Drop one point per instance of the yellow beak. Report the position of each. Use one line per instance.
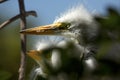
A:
(34, 54)
(37, 55)
(51, 29)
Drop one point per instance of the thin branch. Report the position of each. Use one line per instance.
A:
(22, 17)
(1, 1)
(33, 13)
(22, 68)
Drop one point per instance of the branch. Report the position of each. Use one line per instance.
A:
(1, 1)
(33, 13)
(22, 68)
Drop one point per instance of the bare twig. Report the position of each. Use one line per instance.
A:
(22, 17)
(1, 1)
(33, 13)
(23, 41)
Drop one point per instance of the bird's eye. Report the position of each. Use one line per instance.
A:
(64, 26)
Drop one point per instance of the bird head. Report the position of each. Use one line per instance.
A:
(74, 23)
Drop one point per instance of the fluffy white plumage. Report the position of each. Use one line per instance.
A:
(78, 17)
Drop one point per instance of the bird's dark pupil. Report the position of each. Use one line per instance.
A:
(64, 26)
